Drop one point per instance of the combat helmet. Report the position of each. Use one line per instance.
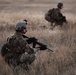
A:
(20, 26)
(59, 5)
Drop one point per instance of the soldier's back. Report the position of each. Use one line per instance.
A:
(17, 43)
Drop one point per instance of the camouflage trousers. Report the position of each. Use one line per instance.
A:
(7, 57)
(27, 58)
(18, 59)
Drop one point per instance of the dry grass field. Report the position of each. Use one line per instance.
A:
(62, 41)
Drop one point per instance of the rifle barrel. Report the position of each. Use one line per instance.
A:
(50, 49)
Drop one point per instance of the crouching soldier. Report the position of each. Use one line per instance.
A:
(59, 18)
(55, 17)
(18, 50)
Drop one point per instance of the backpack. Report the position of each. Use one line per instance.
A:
(49, 15)
(4, 49)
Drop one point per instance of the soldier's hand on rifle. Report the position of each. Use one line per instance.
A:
(66, 21)
(27, 46)
(43, 47)
(36, 49)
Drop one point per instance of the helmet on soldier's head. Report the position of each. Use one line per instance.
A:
(20, 26)
(59, 5)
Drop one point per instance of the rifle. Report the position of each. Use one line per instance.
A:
(35, 42)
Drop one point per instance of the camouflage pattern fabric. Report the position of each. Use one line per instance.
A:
(27, 58)
(55, 16)
(49, 15)
(19, 50)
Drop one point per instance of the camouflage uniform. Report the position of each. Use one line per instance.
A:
(55, 17)
(19, 50)
(58, 17)
(56, 13)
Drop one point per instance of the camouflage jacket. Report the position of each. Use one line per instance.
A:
(18, 44)
(53, 15)
(57, 14)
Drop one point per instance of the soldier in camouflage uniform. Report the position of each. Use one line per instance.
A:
(55, 17)
(19, 50)
(59, 18)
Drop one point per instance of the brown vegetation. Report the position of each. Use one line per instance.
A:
(63, 42)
